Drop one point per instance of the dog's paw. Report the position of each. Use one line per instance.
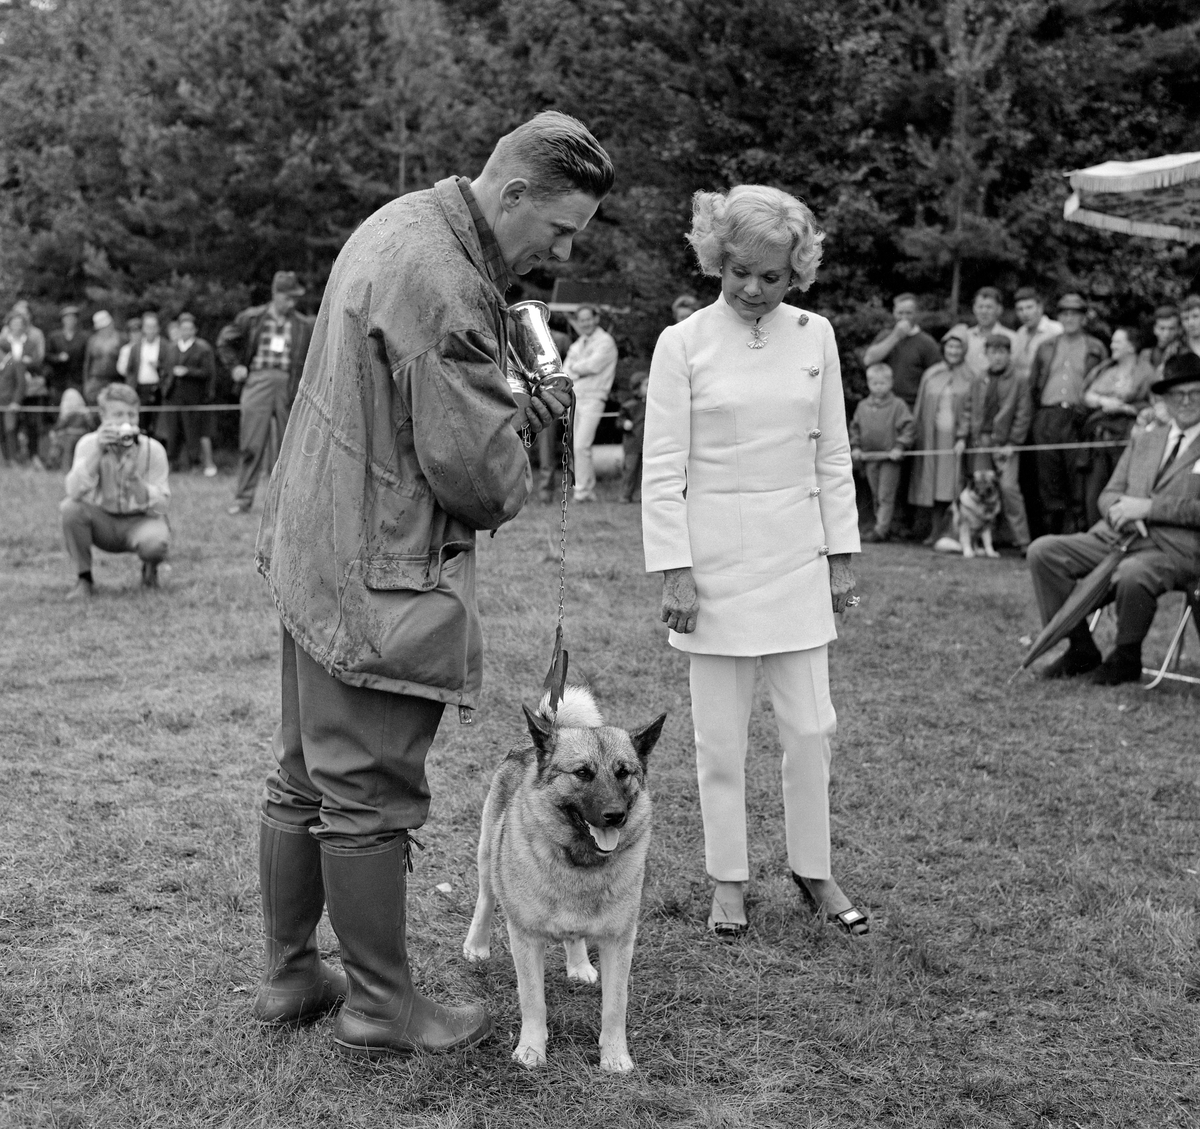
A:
(530, 1057)
(476, 953)
(583, 973)
(991, 553)
(969, 554)
(615, 1062)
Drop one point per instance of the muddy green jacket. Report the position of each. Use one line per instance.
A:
(399, 447)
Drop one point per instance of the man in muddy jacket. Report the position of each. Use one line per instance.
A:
(403, 441)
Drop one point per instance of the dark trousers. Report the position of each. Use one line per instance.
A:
(1144, 574)
(264, 416)
(150, 396)
(1060, 485)
(631, 474)
(181, 432)
(350, 760)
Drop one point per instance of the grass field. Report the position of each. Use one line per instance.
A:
(1029, 855)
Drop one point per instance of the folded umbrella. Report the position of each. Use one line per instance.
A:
(1089, 594)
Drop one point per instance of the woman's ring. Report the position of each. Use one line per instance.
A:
(852, 601)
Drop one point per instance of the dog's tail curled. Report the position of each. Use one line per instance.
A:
(577, 710)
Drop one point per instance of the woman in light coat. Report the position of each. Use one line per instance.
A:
(948, 397)
(748, 511)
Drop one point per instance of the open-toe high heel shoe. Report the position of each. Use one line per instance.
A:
(851, 920)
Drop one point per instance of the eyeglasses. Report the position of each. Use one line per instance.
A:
(1184, 396)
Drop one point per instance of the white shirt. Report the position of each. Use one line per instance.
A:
(1189, 437)
(148, 366)
(591, 362)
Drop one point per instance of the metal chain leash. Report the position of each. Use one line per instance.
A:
(562, 542)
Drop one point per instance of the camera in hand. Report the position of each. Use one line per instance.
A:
(127, 434)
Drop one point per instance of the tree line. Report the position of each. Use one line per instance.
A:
(174, 153)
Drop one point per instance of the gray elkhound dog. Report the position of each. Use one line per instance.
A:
(563, 843)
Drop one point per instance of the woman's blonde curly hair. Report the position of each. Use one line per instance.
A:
(753, 221)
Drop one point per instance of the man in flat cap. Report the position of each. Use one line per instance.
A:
(1057, 377)
(404, 441)
(1156, 482)
(264, 349)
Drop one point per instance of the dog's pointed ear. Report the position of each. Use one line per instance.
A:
(541, 731)
(646, 738)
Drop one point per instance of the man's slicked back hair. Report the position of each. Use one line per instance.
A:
(558, 156)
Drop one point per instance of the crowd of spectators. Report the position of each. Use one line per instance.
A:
(50, 386)
(938, 411)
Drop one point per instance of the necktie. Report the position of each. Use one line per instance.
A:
(1162, 470)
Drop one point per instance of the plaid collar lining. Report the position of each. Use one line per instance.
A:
(493, 260)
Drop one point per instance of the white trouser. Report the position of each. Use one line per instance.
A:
(591, 395)
(722, 689)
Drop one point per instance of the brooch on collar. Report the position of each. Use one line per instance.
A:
(814, 371)
(804, 319)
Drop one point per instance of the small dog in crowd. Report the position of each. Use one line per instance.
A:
(562, 846)
(978, 511)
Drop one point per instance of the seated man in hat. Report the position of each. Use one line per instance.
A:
(117, 493)
(1157, 482)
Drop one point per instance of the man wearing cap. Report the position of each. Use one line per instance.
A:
(100, 355)
(190, 369)
(264, 349)
(1157, 482)
(1007, 410)
(404, 442)
(1057, 377)
(65, 352)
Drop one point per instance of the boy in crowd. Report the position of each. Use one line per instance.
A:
(883, 429)
(1007, 411)
(117, 493)
(633, 425)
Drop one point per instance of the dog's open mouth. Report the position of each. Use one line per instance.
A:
(606, 838)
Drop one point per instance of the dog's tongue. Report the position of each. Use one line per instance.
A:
(606, 837)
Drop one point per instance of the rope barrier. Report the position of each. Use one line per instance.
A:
(883, 456)
(32, 409)
(868, 456)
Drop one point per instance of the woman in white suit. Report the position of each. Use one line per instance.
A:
(748, 510)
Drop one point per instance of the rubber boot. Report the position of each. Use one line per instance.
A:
(384, 1013)
(297, 985)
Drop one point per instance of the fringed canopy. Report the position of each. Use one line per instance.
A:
(1158, 197)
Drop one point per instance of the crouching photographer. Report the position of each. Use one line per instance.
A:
(117, 493)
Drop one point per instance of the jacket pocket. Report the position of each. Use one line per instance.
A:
(420, 572)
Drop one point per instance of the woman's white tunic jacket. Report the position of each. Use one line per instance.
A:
(747, 477)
